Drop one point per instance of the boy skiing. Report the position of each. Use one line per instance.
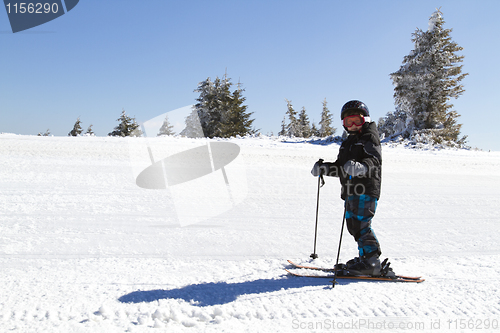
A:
(358, 166)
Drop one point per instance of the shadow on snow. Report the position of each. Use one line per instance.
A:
(218, 293)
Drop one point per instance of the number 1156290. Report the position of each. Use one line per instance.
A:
(32, 8)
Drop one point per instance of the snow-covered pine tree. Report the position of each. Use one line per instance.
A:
(127, 126)
(222, 113)
(314, 130)
(201, 114)
(77, 128)
(393, 124)
(326, 128)
(304, 125)
(209, 106)
(193, 128)
(283, 127)
(47, 133)
(166, 128)
(429, 77)
(218, 107)
(293, 128)
(235, 118)
(90, 132)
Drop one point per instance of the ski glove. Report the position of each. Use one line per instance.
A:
(319, 168)
(355, 169)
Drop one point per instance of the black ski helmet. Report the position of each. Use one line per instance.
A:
(354, 105)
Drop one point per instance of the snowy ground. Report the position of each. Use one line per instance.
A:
(83, 249)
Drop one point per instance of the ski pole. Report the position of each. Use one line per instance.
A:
(321, 182)
(340, 240)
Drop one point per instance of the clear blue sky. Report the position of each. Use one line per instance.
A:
(147, 57)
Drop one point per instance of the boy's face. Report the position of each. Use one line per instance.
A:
(353, 121)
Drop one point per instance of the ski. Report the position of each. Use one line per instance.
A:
(358, 277)
(333, 270)
(397, 278)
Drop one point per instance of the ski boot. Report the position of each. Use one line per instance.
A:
(364, 266)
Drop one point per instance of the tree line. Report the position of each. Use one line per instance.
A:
(219, 112)
(428, 78)
(299, 125)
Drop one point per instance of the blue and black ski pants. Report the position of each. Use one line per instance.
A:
(360, 210)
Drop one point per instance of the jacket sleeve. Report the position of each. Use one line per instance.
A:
(373, 155)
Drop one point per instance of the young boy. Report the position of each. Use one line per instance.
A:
(358, 166)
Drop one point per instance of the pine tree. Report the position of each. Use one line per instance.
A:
(393, 124)
(90, 132)
(166, 128)
(304, 125)
(212, 105)
(314, 130)
(235, 118)
(208, 106)
(326, 128)
(193, 127)
(47, 133)
(211, 113)
(283, 127)
(293, 128)
(429, 77)
(220, 112)
(127, 126)
(77, 128)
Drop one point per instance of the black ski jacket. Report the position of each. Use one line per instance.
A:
(363, 147)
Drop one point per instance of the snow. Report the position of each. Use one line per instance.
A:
(434, 20)
(83, 249)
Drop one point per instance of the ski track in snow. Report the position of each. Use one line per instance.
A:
(83, 249)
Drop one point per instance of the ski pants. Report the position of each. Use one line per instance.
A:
(360, 210)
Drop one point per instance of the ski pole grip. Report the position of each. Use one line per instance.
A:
(321, 179)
